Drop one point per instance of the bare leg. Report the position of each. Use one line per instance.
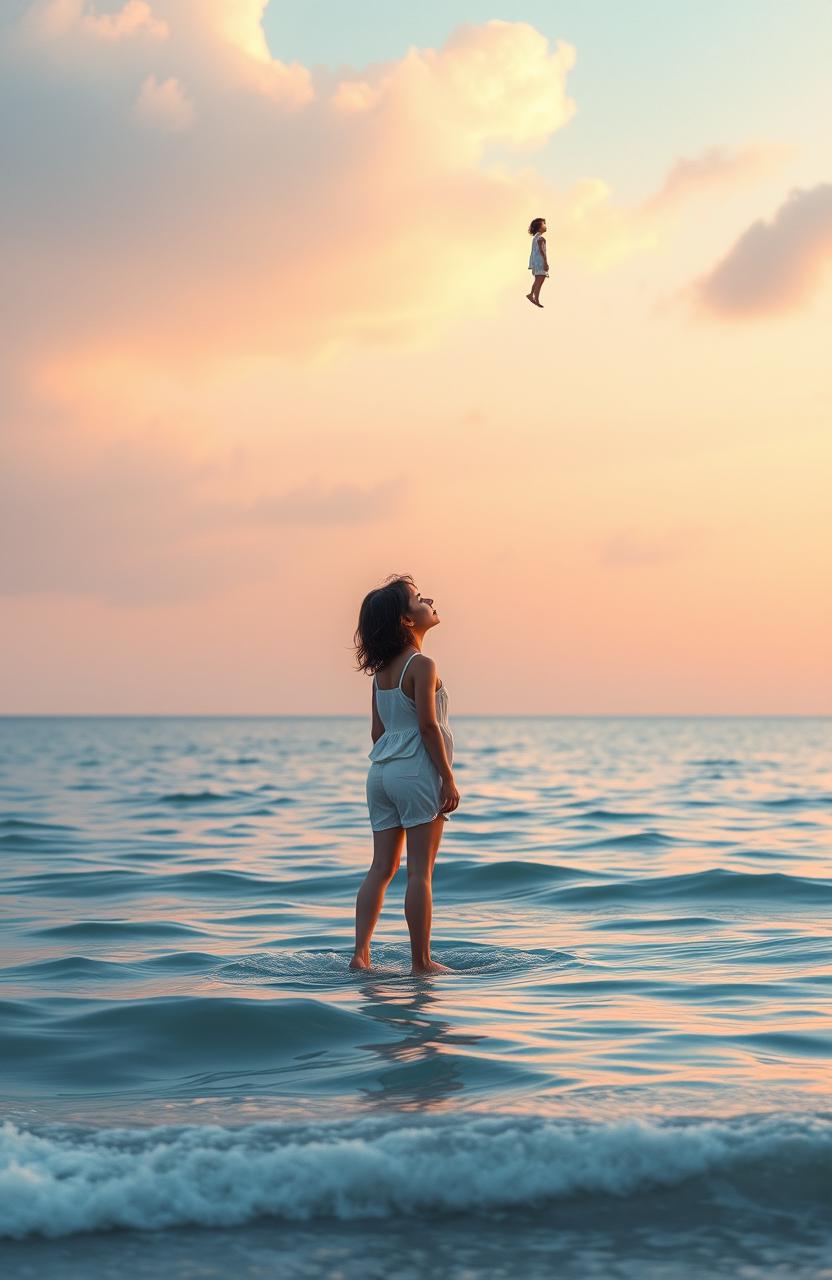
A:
(387, 853)
(422, 847)
(539, 281)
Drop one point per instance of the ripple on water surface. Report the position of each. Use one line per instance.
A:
(630, 908)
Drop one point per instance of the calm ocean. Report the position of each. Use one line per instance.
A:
(627, 1075)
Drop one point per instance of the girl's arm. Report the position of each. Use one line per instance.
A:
(378, 728)
(424, 691)
(542, 242)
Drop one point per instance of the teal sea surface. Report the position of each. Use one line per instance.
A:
(627, 1073)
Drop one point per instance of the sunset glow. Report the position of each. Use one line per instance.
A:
(267, 343)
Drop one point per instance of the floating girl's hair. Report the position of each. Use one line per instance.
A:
(535, 225)
(381, 635)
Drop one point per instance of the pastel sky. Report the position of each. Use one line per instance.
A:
(266, 342)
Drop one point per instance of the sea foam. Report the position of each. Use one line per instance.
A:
(64, 1180)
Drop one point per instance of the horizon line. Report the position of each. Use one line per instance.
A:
(471, 715)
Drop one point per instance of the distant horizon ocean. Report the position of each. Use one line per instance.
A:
(627, 1074)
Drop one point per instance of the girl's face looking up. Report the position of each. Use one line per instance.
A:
(421, 611)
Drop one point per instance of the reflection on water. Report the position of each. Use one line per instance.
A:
(417, 1072)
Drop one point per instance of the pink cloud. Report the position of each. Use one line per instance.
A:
(715, 169)
(774, 266)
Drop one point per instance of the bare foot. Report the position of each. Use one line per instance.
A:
(433, 967)
(530, 297)
(358, 962)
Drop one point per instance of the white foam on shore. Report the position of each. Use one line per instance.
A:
(61, 1181)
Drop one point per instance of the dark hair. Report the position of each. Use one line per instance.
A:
(535, 225)
(381, 635)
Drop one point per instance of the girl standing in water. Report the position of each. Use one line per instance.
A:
(410, 783)
(538, 261)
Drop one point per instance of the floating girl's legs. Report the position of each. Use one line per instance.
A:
(536, 287)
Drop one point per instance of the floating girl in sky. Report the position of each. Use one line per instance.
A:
(538, 262)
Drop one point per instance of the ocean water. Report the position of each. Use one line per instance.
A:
(627, 1073)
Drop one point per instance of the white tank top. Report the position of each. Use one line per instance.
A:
(402, 736)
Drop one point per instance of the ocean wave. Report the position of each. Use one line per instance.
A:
(806, 801)
(62, 1180)
(82, 884)
(614, 815)
(171, 1027)
(193, 797)
(118, 929)
(122, 882)
(716, 883)
(20, 835)
(506, 876)
(91, 1044)
(670, 923)
(84, 968)
(28, 824)
(631, 840)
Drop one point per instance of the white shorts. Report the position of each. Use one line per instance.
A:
(404, 792)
